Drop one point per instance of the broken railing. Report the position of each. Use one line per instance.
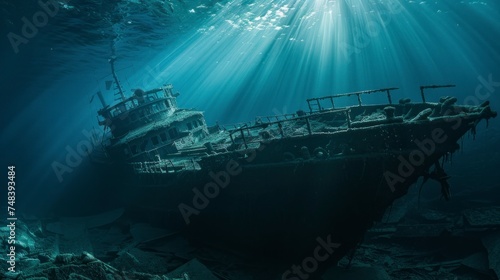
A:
(252, 132)
(245, 132)
(433, 86)
(301, 123)
(286, 127)
(282, 117)
(316, 102)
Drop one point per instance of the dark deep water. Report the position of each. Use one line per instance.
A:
(233, 60)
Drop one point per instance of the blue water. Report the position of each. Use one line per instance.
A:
(234, 60)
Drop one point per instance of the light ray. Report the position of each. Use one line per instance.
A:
(249, 59)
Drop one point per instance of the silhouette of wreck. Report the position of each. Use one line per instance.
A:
(280, 185)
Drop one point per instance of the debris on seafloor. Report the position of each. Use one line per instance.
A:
(25, 239)
(477, 261)
(66, 266)
(71, 227)
(483, 217)
(492, 244)
(140, 261)
(194, 270)
(433, 216)
(123, 250)
(71, 234)
(434, 244)
(85, 266)
(424, 244)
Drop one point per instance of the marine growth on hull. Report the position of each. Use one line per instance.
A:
(167, 139)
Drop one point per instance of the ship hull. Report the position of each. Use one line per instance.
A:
(255, 202)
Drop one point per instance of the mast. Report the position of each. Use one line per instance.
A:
(118, 86)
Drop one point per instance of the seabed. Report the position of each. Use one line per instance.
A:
(413, 241)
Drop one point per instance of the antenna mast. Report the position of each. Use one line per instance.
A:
(118, 86)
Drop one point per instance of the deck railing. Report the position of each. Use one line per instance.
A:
(433, 86)
(285, 127)
(316, 102)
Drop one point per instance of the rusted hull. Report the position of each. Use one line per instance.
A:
(256, 202)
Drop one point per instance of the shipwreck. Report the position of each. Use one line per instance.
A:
(280, 184)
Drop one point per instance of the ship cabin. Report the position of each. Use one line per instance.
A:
(149, 125)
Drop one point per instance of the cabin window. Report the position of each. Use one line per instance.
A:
(161, 105)
(163, 137)
(167, 103)
(200, 122)
(129, 105)
(123, 108)
(173, 132)
(155, 141)
(195, 124)
(190, 126)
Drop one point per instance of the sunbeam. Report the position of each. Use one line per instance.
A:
(285, 51)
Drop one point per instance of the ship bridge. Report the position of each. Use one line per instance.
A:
(142, 108)
(148, 124)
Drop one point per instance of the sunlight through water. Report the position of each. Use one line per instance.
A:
(286, 51)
